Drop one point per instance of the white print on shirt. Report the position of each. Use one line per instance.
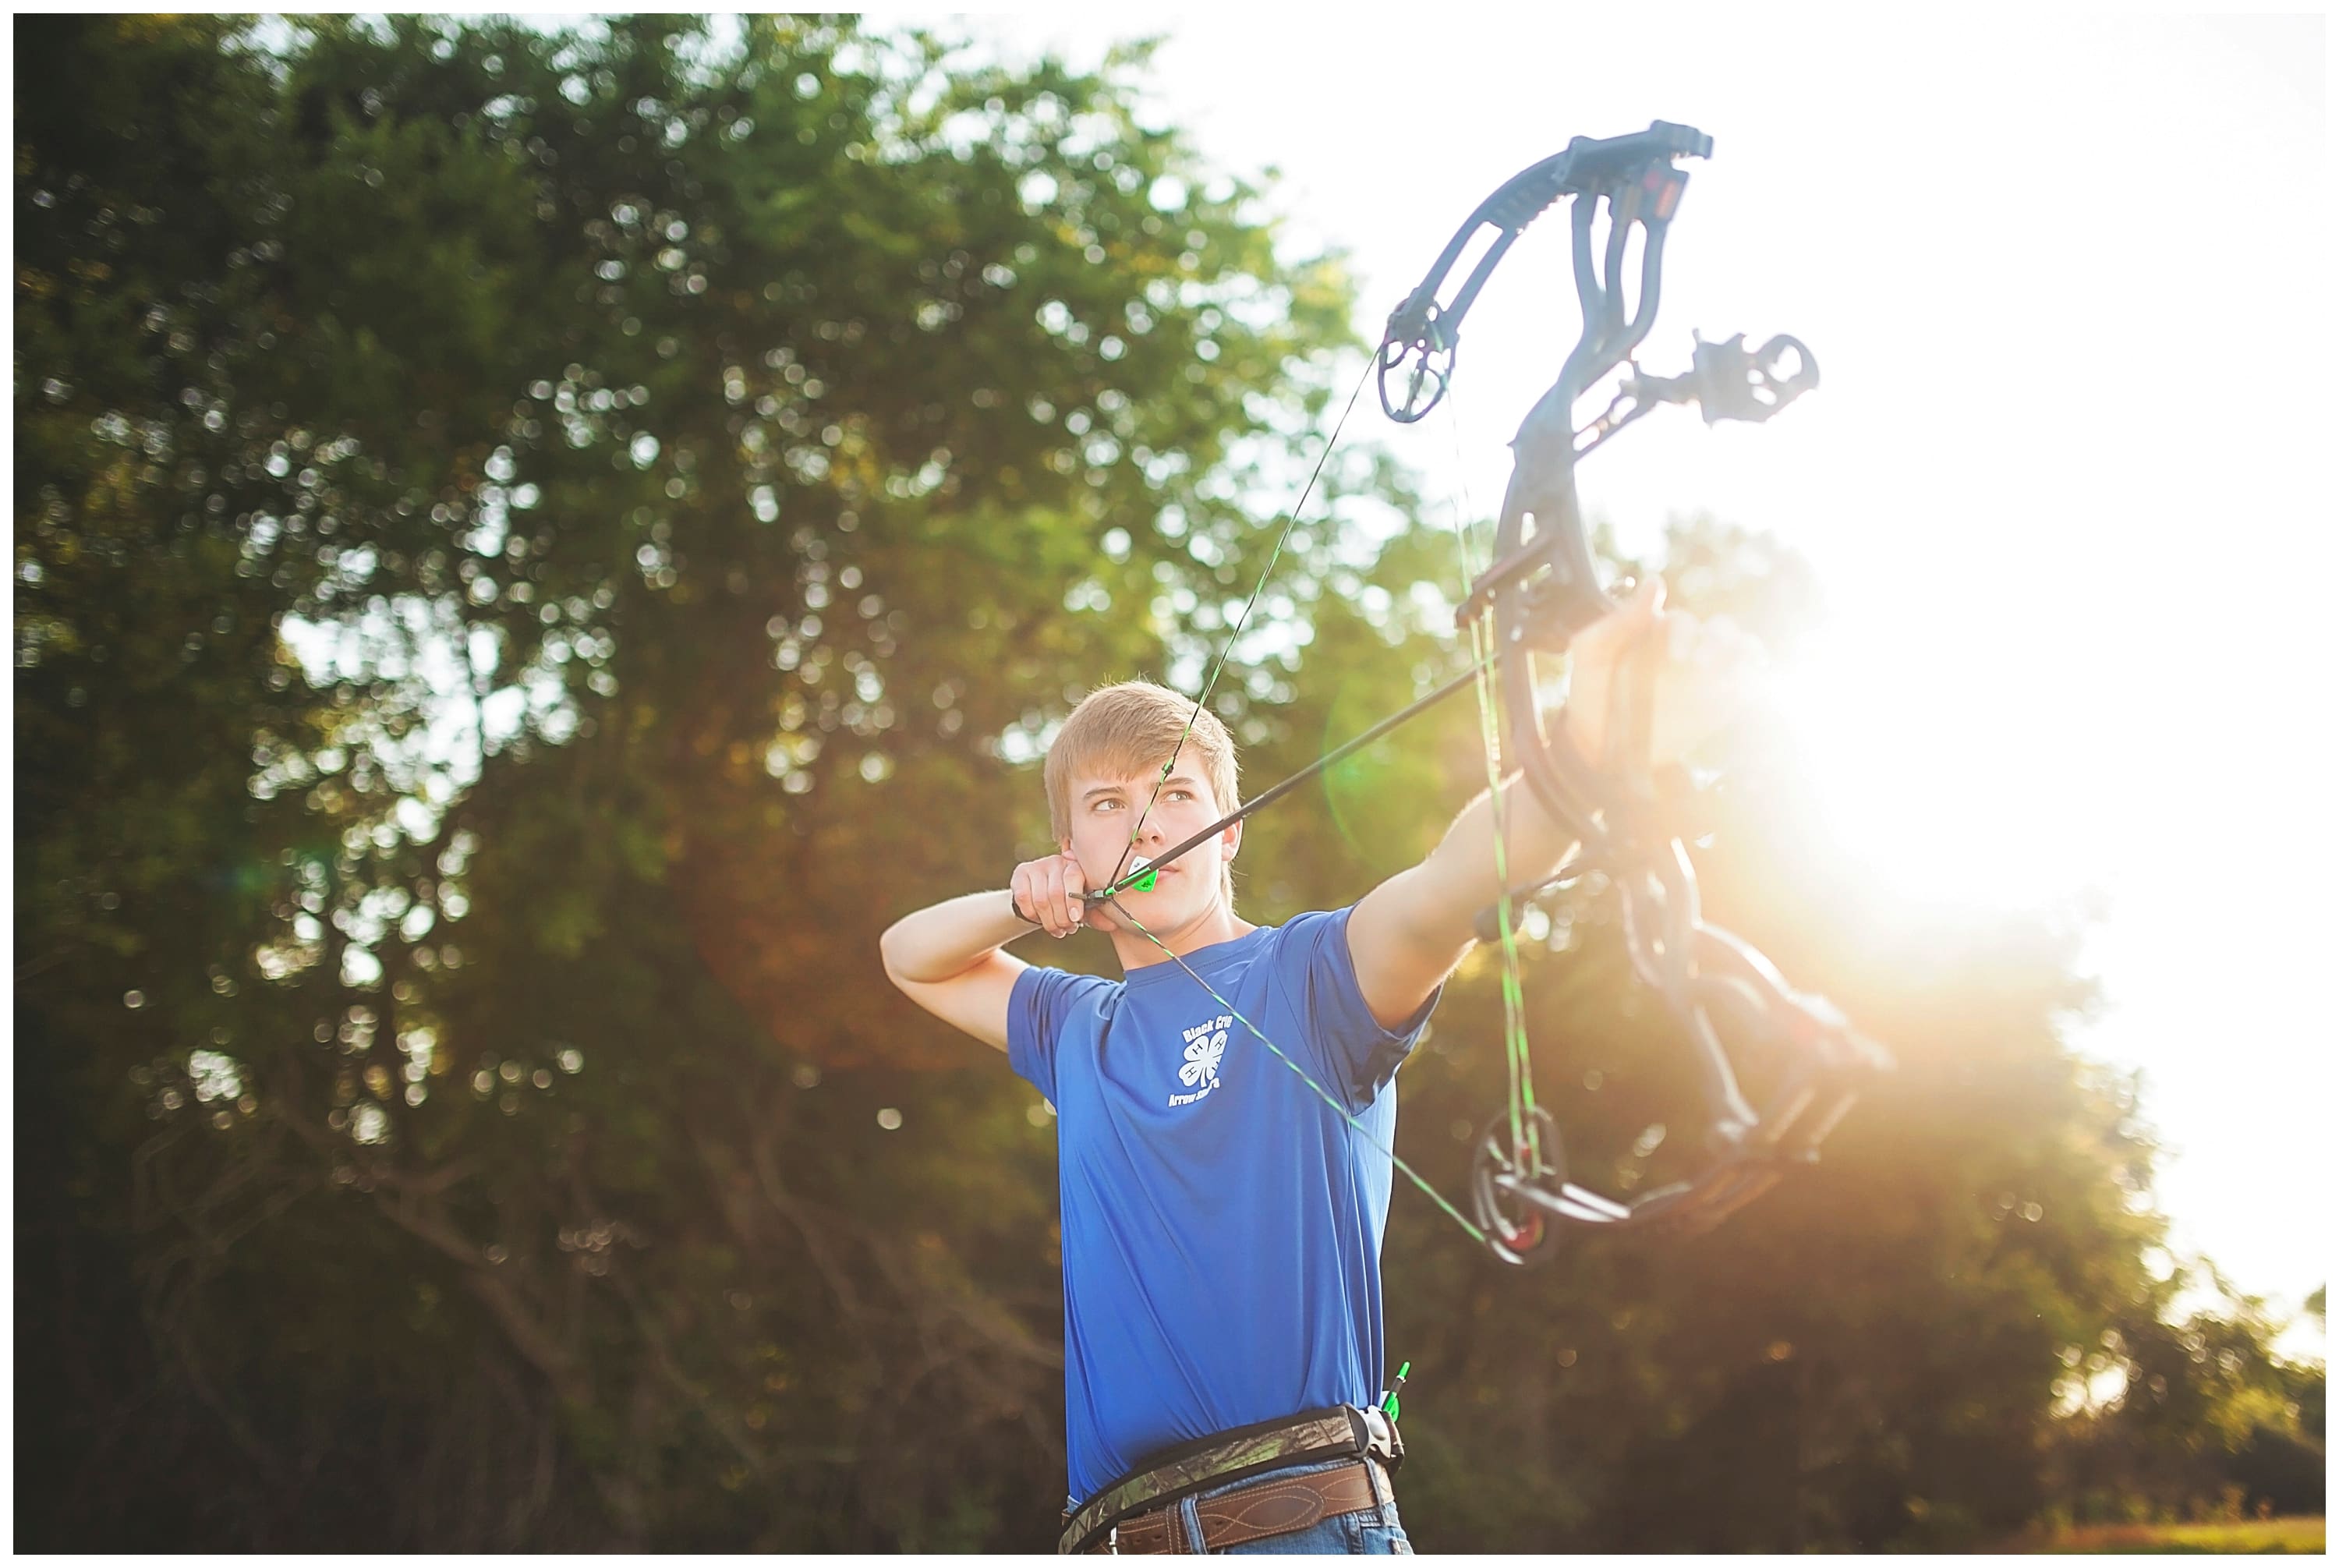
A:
(1205, 1044)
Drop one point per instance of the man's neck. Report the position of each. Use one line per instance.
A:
(1217, 924)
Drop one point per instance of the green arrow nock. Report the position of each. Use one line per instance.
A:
(1388, 1400)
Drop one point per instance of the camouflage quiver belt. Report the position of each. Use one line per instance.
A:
(1339, 1431)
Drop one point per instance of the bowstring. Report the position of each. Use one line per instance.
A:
(1136, 833)
(1291, 519)
(1482, 650)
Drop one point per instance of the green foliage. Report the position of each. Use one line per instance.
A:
(2207, 1420)
(2253, 1535)
(532, 549)
(510, 528)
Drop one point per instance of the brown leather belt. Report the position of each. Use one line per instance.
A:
(1275, 1503)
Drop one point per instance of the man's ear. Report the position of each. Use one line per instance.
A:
(1231, 842)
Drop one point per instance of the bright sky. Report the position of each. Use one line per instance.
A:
(2062, 485)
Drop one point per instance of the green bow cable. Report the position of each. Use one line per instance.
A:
(1520, 1063)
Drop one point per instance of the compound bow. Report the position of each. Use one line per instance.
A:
(1537, 593)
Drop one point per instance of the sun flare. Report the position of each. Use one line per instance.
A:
(1908, 753)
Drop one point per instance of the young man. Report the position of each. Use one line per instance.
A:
(1221, 1222)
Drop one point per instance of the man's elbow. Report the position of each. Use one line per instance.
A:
(892, 954)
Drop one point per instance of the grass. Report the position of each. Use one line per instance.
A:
(2239, 1536)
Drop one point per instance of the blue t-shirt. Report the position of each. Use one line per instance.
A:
(1221, 1224)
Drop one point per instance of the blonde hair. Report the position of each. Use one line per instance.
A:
(1134, 726)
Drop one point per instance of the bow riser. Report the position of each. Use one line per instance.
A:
(1541, 590)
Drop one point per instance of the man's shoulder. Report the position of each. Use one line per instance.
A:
(1063, 990)
(1049, 1009)
(1314, 921)
(1306, 933)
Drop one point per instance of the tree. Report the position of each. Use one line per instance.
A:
(499, 512)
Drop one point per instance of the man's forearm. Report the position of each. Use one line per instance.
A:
(1448, 889)
(1407, 934)
(948, 939)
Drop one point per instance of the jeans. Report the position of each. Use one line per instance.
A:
(1367, 1532)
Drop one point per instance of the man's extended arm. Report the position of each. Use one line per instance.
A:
(1406, 935)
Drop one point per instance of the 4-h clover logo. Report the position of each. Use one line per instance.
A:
(1202, 1060)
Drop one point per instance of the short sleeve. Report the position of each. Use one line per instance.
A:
(1036, 1011)
(1361, 1054)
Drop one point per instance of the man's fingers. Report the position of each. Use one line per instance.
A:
(1638, 618)
(1032, 900)
(1065, 907)
(1058, 920)
(1048, 893)
(1076, 886)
